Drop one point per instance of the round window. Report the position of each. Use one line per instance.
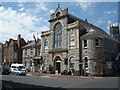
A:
(58, 14)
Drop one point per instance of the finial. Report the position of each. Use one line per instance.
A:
(58, 5)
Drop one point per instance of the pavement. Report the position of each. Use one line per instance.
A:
(46, 75)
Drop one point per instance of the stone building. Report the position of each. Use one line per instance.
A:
(31, 55)
(77, 47)
(13, 51)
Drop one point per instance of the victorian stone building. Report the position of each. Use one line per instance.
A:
(13, 51)
(77, 47)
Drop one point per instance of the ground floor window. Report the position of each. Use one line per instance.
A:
(86, 62)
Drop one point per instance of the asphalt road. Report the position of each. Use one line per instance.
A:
(14, 81)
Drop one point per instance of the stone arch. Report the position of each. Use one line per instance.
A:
(85, 57)
(58, 21)
(57, 55)
(58, 11)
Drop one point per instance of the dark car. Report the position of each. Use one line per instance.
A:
(4, 70)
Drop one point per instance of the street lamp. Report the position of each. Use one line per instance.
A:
(80, 68)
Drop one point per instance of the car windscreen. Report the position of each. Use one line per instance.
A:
(21, 67)
(13, 66)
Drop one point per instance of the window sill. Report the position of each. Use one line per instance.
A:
(46, 50)
(72, 47)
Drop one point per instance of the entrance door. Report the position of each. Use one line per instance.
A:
(57, 63)
(58, 66)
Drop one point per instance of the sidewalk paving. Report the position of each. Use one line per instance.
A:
(46, 75)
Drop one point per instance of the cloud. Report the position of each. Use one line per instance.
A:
(21, 9)
(110, 12)
(13, 23)
(40, 7)
(85, 5)
(21, 5)
(109, 22)
(52, 11)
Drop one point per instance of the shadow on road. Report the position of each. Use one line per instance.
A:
(9, 85)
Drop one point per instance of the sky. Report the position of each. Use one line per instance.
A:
(28, 18)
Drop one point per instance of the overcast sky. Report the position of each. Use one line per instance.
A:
(26, 18)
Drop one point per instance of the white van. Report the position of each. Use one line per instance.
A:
(18, 69)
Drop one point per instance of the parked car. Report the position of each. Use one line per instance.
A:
(18, 69)
(4, 70)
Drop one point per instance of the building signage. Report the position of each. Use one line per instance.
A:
(28, 57)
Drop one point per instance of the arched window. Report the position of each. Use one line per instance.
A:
(45, 45)
(72, 39)
(58, 35)
(86, 62)
(72, 63)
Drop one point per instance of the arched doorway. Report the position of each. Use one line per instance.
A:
(57, 64)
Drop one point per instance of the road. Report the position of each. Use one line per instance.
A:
(14, 81)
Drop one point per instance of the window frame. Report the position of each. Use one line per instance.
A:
(57, 35)
(97, 42)
(72, 40)
(26, 52)
(85, 44)
(31, 51)
(45, 45)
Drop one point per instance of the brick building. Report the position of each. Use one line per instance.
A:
(13, 50)
(1, 53)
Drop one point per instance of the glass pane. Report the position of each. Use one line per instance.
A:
(72, 41)
(57, 35)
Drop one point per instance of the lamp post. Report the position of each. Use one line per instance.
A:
(80, 68)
